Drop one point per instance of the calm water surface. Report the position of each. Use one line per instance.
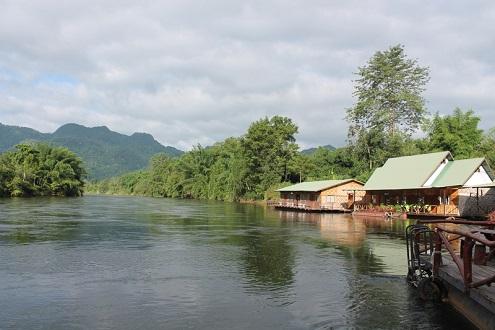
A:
(143, 263)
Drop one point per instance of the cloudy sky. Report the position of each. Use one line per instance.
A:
(193, 72)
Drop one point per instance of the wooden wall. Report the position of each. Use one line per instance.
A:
(345, 189)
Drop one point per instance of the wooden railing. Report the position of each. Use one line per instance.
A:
(339, 203)
(301, 204)
(474, 240)
(447, 210)
(363, 206)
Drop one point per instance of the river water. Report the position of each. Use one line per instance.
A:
(145, 263)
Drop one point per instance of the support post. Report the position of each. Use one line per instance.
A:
(467, 261)
(437, 254)
(479, 254)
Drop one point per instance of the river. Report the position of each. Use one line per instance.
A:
(145, 263)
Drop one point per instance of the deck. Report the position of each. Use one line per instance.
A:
(415, 211)
(483, 295)
(458, 257)
(309, 207)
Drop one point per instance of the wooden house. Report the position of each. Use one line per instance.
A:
(432, 185)
(331, 195)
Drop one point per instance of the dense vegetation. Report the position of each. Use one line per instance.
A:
(389, 109)
(105, 153)
(236, 168)
(252, 166)
(40, 170)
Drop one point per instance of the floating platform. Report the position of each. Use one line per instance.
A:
(308, 207)
(477, 304)
(454, 261)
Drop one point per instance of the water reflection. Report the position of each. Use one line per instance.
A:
(373, 245)
(106, 262)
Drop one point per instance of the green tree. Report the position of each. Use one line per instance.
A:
(389, 108)
(228, 172)
(457, 133)
(488, 146)
(269, 147)
(196, 166)
(40, 169)
(388, 93)
(6, 176)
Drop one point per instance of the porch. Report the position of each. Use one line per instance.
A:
(315, 203)
(440, 210)
(441, 202)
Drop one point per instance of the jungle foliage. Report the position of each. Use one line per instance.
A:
(40, 170)
(389, 108)
(244, 167)
(267, 157)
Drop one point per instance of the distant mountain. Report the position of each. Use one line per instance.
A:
(311, 151)
(104, 152)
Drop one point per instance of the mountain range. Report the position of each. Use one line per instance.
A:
(105, 153)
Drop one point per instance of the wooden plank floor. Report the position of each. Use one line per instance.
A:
(484, 295)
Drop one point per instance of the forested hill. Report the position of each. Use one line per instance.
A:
(105, 153)
(311, 151)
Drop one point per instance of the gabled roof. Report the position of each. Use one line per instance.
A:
(458, 172)
(315, 186)
(409, 172)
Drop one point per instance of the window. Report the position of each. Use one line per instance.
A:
(330, 199)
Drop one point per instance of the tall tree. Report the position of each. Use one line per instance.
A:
(457, 133)
(389, 107)
(269, 147)
(388, 93)
(488, 146)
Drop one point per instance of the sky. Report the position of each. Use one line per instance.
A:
(192, 72)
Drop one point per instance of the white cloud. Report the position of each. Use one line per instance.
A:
(193, 72)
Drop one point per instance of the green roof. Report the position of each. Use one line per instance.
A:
(458, 172)
(409, 172)
(314, 186)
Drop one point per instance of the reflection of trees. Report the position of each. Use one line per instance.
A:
(266, 256)
(25, 231)
(69, 220)
(269, 258)
(348, 236)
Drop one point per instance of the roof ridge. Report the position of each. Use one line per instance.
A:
(474, 164)
(480, 163)
(447, 153)
(324, 184)
(424, 154)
